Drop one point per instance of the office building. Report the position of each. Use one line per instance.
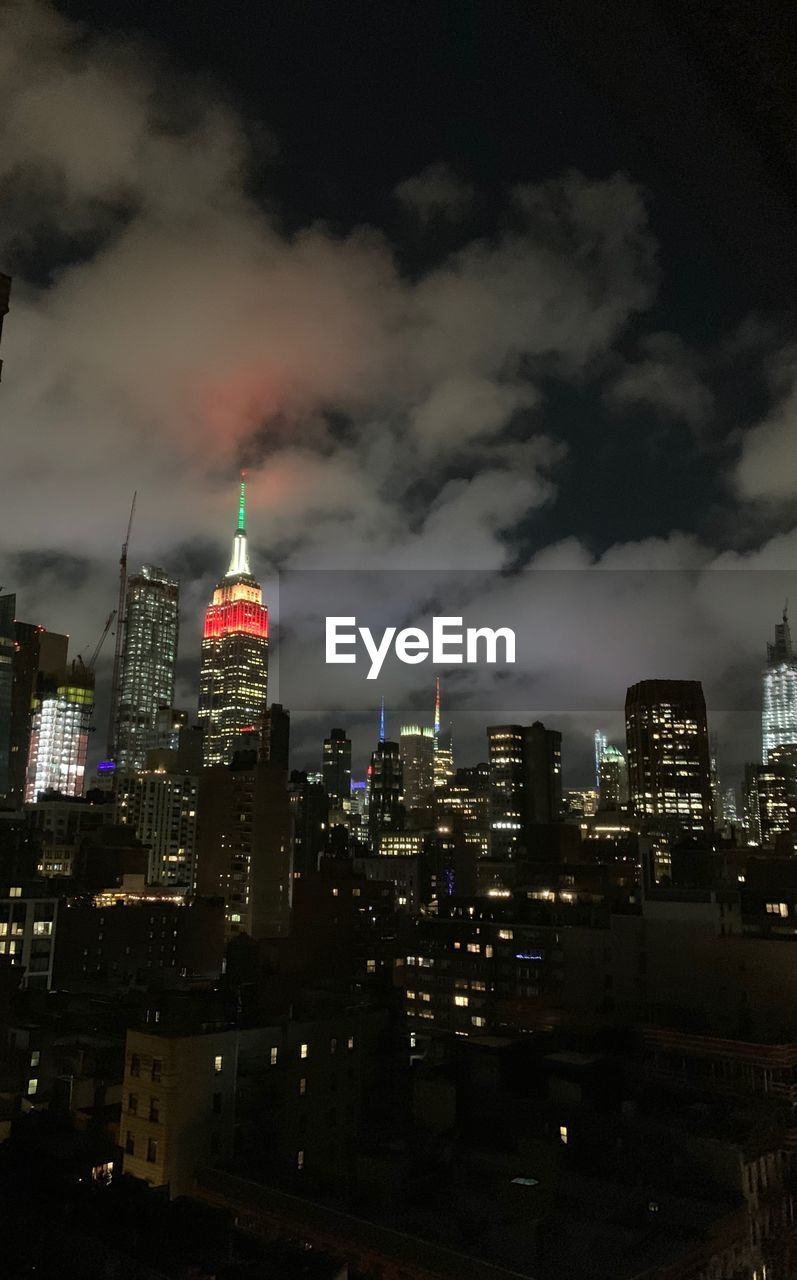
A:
(779, 692)
(59, 736)
(336, 769)
(768, 811)
(612, 779)
(149, 656)
(525, 771)
(417, 751)
(669, 765)
(233, 682)
(384, 791)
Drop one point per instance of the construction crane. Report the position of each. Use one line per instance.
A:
(120, 628)
(92, 662)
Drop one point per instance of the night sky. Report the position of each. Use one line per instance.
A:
(465, 285)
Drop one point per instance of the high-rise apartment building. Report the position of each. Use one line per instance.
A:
(384, 791)
(669, 763)
(160, 803)
(768, 812)
(59, 736)
(336, 768)
(39, 662)
(233, 681)
(149, 656)
(779, 689)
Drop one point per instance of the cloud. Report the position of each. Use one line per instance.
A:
(665, 380)
(437, 192)
(767, 466)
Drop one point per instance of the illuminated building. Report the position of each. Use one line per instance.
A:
(233, 681)
(669, 766)
(417, 751)
(27, 935)
(525, 769)
(149, 655)
(779, 701)
(59, 736)
(39, 661)
(160, 804)
(336, 768)
(384, 790)
(767, 808)
(612, 779)
(443, 746)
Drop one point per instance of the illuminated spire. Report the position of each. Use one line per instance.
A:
(382, 722)
(437, 707)
(239, 560)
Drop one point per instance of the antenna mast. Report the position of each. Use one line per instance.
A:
(121, 619)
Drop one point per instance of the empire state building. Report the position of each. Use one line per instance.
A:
(233, 682)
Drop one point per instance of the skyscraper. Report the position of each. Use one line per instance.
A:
(612, 778)
(336, 768)
(779, 701)
(385, 810)
(59, 736)
(443, 745)
(39, 662)
(149, 655)
(669, 765)
(417, 750)
(766, 802)
(525, 769)
(233, 681)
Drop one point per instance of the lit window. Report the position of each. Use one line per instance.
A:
(302, 1086)
(299, 1159)
(33, 1085)
(273, 1056)
(218, 1063)
(563, 1133)
(303, 1051)
(350, 1042)
(34, 1058)
(462, 1001)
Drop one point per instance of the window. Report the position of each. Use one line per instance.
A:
(130, 1144)
(303, 1086)
(274, 1052)
(462, 1001)
(152, 1150)
(563, 1134)
(34, 1058)
(154, 1110)
(218, 1063)
(132, 1104)
(135, 1065)
(299, 1159)
(333, 1045)
(217, 1104)
(33, 1085)
(157, 1068)
(350, 1042)
(303, 1051)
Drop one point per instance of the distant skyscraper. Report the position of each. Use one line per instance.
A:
(233, 682)
(669, 766)
(39, 662)
(779, 702)
(507, 767)
(766, 803)
(385, 810)
(59, 737)
(443, 745)
(336, 768)
(417, 750)
(612, 778)
(600, 748)
(8, 605)
(149, 656)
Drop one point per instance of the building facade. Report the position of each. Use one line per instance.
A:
(59, 736)
(669, 762)
(233, 681)
(149, 656)
(779, 692)
(336, 768)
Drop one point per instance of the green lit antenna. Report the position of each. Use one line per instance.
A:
(242, 505)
